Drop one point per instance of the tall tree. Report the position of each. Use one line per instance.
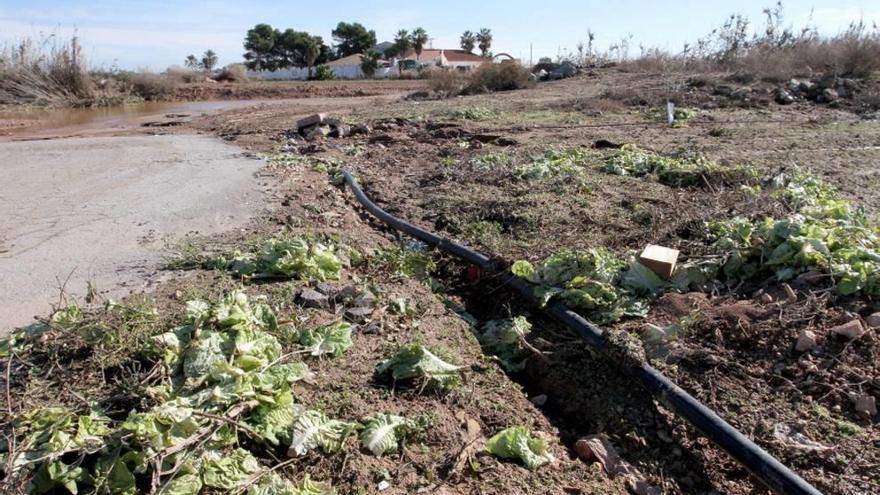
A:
(259, 42)
(353, 38)
(209, 60)
(418, 39)
(312, 51)
(288, 48)
(468, 41)
(191, 62)
(370, 62)
(484, 40)
(402, 42)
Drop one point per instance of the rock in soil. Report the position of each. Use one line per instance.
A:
(311, 120)
(783, 97)
(806, 341)
(359, 315)
(311, 298)
(852, 329)
(597, 448)
(873, 320)
(365, 300)
(866, 405)
(317, 133)
(539, 400)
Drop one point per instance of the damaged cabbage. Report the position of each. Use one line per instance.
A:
(592, 281)
(313, 429)
(686, 170)
(826, 235)
(414, 363)
(504, 339)
(296, 257)
(332, 339)
(516, 442)
(383, 433)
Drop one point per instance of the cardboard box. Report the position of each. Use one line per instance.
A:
(661, 260)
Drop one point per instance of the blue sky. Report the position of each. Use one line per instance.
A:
(154, 34)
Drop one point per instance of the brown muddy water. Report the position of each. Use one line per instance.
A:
(35, 123)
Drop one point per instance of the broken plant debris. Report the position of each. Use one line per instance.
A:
(517, 442)
(296, 257)
(506, 340)
(415, 364)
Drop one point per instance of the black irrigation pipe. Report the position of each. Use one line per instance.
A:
(762, 465)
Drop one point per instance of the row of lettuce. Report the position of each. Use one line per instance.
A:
(824, 236)
(226, 400)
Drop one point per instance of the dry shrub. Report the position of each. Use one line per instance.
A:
(446, 83)
(31, 73)
(505, 76)
(153, 87)
(232, 73)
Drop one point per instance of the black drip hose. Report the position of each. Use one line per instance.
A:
(762, 465)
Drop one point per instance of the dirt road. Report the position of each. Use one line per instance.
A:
(102, 210)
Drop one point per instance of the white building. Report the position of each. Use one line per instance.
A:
(457, 59)
(343, 68)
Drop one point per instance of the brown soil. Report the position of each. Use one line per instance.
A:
(253, 90)
(733, 352)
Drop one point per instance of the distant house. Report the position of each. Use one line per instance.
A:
(343, 68)
(350, 68)
(458, 59)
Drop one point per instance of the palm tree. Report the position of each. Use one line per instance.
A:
(418, 39)
(402, 42)
(311, 53)
(468, 41)
(484, 40)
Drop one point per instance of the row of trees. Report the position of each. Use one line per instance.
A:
(481, 39)
(405, 40)
(269, 48)
(206, 63)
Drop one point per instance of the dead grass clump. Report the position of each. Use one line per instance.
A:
(38, 74)
(505, 76)
(446, 83)
(153, 87)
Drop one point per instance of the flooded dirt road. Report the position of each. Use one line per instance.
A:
(26, 124)
(102, 209)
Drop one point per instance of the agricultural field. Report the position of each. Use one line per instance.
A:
(317, 348)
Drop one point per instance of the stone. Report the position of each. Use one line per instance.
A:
(328, 289)
(851, 330)
(539, 400)
(866, 405)
(317, 133)
(340, 130)
(311, 120)
(873, 320)
(829, 95)
(364, 300)
(766, 298)
(806, 341)
(661, 260)
(360, 129)
(783, 97)
(311, 298)
(359, 315)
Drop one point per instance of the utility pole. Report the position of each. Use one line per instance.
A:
(531, 54)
